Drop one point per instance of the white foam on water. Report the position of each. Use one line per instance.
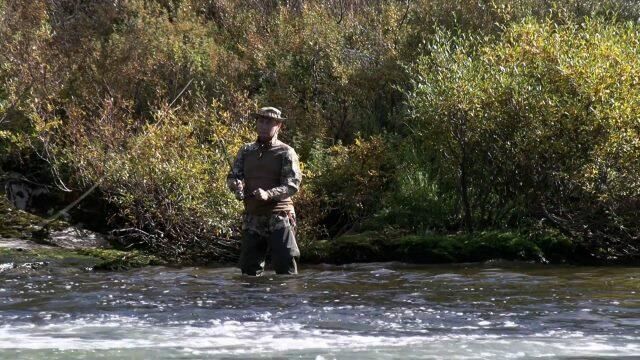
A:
(6, 266)
(246, 338)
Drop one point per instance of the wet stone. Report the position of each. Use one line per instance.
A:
(75, 238)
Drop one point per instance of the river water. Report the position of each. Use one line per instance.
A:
(363, 311)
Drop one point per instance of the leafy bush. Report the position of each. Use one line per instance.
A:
(343, 185)
(541, 117)
(168, 182)
(415, 202)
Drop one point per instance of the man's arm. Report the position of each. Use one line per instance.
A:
(290, 177)
(235, 177)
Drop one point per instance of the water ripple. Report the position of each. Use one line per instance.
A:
(363, 311)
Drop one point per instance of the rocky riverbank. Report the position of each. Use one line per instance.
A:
(25, 246)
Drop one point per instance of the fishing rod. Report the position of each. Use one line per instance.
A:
(239, 193)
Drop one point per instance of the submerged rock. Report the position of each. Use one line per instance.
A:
(22, 268)
(7, 266)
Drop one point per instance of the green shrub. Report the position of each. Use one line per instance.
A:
(344, 185)
(415, 199)
(540, 118)
(168, 183)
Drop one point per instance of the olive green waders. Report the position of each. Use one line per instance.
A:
(274, 233)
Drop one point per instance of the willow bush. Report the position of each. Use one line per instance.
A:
(540, 120)
(336, 75)
(135, 115)
(168, 182)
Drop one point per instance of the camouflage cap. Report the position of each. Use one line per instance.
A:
(270, 112)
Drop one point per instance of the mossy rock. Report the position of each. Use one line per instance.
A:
(96, 259)
(500, 245)
(117, 260)
(373, 246)
(53, 256)
(556, 247)
(16, 223)
(315, 251)
(357, 248)
(429, 249)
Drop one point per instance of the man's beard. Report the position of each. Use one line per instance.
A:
(267, 138)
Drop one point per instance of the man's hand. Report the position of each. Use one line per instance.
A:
(261, 194)
(237, 187)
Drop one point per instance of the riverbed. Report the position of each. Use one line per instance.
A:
(364, 311)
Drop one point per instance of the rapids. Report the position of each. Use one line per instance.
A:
(364, 311)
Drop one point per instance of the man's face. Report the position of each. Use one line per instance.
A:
(267, 127)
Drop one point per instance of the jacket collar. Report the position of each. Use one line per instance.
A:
(270, 143)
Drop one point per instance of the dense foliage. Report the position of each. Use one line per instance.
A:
(427, 115)
(541, 123)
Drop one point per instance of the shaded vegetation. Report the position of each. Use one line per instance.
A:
(489, 120)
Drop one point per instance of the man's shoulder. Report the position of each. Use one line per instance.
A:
(278, 146)
(285, 148)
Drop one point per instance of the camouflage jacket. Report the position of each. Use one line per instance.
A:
(290, 178)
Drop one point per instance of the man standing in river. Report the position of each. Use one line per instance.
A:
(265, 174)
